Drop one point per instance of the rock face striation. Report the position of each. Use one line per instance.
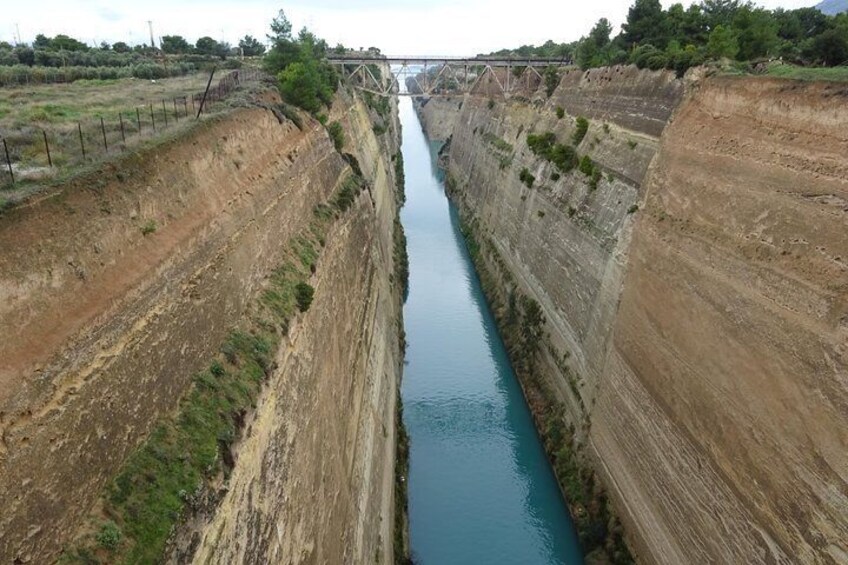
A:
(694, 282)
(116, 289)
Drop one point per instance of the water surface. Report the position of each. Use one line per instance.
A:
(480, 487)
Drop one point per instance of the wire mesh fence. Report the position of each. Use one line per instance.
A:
(34, 153)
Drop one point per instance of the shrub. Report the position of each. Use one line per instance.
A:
(579, 133)
(631, 144)
(560, 113)
(304, 293)
(540, 213)
(571, 211)
(551, 80)
(633, 208)
(541, 144)
(491, 104)
(149, 227)
(337, 135)
(555, 176)
(596, 178)
(564, 157)
(109, 536)
(347, 194)
(526, 177)
(587, 166)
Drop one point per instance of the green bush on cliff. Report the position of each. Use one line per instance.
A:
(541, 144)
(109, 536)
(527, 178)
(304, 294)
(337, 135)
(305, 79)
(564, 157)
(582, 126)
(587, 167)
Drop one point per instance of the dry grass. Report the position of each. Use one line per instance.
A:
(28, 112)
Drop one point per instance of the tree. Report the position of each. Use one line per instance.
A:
(722, 43)
(720, 12)
(281, 28)
(174, 44)
(251, 47)
(207, 46)
(120, 47)
(593, 50)
(300, 84)
(67, 43)
(646, 23)
(756, 32)
(105, 46)
(687, 27)
(831, 47)
(41, 42)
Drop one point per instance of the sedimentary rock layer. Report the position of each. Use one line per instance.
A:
(696, 299)
(116, 288)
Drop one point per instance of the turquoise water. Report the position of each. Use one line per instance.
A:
(480, 487)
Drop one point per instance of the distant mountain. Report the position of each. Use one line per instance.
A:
(832, 7)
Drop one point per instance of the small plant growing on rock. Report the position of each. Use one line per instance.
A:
(540, 213)
(491, 104)
(633, 208)
(337, 135)
(586, 166)
(526, 177)
(560, 113)
(304, 293)
(109, 536)
(579, 133)
(149, 227)
(631, 144)
(571, 211)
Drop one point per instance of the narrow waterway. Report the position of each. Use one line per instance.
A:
(480, 487)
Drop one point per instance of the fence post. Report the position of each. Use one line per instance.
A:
(152, 118)
(8, 161)
(103, 129)
(176, 113)
(121, 118)
(82, 143)
(138, 119)
(164, 112)
(202, 100)
(185, 106)
(47, 146)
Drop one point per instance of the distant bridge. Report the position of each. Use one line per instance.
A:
(444, 76)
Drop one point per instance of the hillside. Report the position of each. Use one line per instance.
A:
(832, 7)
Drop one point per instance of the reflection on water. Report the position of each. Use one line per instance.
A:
(480, 487)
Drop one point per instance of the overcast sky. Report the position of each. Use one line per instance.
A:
(398, 27)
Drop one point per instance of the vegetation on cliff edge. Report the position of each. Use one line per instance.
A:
(681, 37)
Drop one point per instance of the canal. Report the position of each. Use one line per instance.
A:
(480, 487)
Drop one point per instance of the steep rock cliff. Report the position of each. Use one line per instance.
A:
(699, 344)
(118, 287)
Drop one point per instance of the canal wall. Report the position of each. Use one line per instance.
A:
(693, 286)
(202, 349)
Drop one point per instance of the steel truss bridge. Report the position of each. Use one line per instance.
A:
(444, 76)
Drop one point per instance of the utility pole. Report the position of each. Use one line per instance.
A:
(150, 26)
(18, 30)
